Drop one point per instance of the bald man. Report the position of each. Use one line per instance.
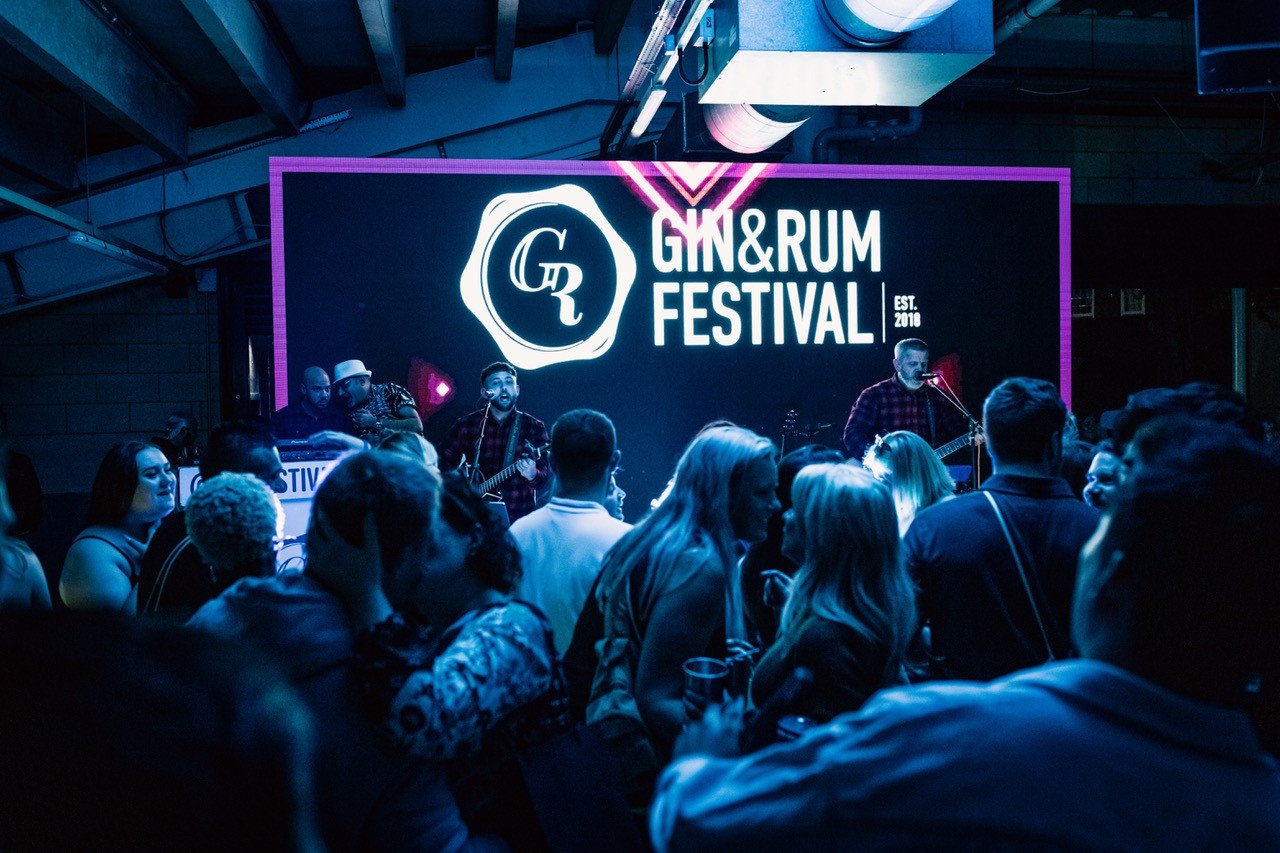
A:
(312, 413)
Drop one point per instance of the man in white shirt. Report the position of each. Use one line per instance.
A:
(562, 545)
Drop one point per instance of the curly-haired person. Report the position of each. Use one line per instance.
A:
(235, 522)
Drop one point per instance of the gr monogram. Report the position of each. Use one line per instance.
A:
(555, 277)
(561, 289)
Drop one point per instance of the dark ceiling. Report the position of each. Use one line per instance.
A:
(326, 47)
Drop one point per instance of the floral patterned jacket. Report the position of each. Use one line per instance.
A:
(440, 702)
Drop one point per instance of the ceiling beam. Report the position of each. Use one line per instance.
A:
(610, 17)
(504, 39)
(35, 141)
(75, 45)
(443, 104)
(239, 34)
(382, 25)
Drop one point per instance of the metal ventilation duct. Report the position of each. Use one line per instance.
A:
(782, 52)
(876, 23)
(750, 129)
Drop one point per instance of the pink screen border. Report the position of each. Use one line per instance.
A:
(278, 166)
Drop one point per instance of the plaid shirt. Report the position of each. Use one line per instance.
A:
(385, 401)
(890, 405)
(518, 493)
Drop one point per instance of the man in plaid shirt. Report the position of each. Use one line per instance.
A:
(903, 401)
(484, 437)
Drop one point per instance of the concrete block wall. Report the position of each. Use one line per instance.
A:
(1114, 159)
(83, 375)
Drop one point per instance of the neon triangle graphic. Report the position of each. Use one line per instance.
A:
(706, 178)
(656, 195)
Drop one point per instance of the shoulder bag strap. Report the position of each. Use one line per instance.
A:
(1022, 573)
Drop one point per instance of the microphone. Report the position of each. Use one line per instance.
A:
(930, 375)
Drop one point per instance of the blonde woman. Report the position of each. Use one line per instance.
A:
(669, 590)
(852, 609)
(917, 476)
(412, 446)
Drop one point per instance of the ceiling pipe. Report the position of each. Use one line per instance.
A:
(868, 132)
(1018, 21)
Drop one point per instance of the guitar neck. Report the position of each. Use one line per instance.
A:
(952, 446)
(497, 479)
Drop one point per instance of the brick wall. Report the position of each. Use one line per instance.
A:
(80, 376)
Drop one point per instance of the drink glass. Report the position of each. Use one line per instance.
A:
(705, 680)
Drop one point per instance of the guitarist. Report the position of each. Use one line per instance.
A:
(904, 401)
(498, 436)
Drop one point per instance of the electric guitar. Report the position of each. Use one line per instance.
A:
(486, 487)
(973, 436)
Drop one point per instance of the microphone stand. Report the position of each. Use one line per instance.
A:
(475, 467)
(975, 450)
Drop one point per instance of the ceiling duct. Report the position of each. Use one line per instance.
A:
(787, 53)
(750, 129)
(882, 22)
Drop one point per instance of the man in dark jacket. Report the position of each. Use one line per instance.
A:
(991, 612)
(372, 795)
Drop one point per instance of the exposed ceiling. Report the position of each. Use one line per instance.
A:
(104, 95)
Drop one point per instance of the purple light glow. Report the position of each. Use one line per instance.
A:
(631, 171)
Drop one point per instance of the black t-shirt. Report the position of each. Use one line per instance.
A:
(847, 668)
(175, 581)
(294, 421)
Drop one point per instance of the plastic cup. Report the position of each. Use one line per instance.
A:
(706, 678)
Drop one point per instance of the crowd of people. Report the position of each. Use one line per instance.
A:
(805, 649)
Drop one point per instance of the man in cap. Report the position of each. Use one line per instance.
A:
(374, 409)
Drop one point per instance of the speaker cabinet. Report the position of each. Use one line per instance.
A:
(1237, 46)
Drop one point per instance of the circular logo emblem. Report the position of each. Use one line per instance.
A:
(548, 276)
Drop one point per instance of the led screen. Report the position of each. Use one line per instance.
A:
(668, 295)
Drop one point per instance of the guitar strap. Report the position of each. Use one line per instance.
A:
(931, 417)
(513, 440)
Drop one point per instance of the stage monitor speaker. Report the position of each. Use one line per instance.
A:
(1237, 46)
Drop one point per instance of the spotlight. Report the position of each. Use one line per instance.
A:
(430, 386)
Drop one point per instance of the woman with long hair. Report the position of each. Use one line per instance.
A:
(852, 611)
(669, 591)
(913, 471)
(133, 490)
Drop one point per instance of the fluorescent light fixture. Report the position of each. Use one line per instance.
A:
(325, 121)
(116, 253)
(651, 103)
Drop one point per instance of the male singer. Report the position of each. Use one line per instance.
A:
(498, 436)
(903, 401)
